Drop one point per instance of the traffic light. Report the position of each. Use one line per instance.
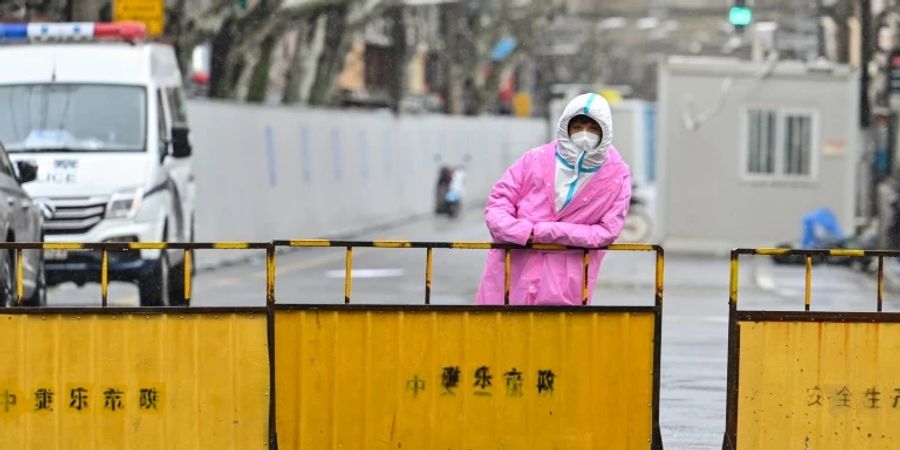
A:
(740, 15)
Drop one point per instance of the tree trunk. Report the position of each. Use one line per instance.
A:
(310, 42)
(236, 36)
(331, 61)
(487, 94)
(399, 58)
(293, 75)
(183, 33)
(221, 67)
(259, 79)
(52, 10)
(87, 10)
(454, 77)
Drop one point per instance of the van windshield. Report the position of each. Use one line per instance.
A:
(72, 117)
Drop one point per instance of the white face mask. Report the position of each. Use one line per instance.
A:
(585, 140)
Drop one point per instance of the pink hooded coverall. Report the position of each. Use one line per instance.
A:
(522, 202)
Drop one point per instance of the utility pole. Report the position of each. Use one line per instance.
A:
(399, 56)
(866, 42)
(451, 15)
(820, 29)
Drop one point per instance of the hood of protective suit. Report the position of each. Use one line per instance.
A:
(596, 107)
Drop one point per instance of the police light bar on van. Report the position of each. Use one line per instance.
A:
(125, 31)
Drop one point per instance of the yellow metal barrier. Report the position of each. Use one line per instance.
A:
(363, 376)
(809, 379)
(135, 378)
(375, 377)
(426, 377)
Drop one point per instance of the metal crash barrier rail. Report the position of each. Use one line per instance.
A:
(188, 248)
(106, 247)
(437, 377)
(429, 258)
(812, 379)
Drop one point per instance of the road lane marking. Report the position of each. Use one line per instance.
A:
(227, 281)
(313, 262)
(367, 273)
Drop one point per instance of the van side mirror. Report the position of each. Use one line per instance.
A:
(181, 145)
(27, 171)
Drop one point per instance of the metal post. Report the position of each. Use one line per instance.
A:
(428, 261)
(584, 286)
(104, 276)
(657, 347)
(20, 277)
(660, 275)
(808, 293)
(507, 263)
(866, 45)
(733, 284)
(270, 274)
(731, 398)
(880, 282)
(348, 279)
(187, 276)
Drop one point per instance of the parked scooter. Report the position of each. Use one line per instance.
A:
(450, 189)
(638, 225)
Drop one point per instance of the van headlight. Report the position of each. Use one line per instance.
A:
(125, 203)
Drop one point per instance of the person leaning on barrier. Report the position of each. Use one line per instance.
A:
(572, 191)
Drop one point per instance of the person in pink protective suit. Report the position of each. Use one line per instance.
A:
(572, 191)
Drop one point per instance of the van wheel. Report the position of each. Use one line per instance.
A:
(39, 296)
(154, 285)
(8, 282)
(176, 285)
(193, 260)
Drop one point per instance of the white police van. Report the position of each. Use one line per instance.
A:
(101, 113)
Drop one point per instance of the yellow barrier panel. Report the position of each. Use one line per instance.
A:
(381, 378)
(812, 379)
(83, 380)
(818, 385)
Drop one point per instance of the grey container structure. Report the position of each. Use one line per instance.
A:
(746, 148)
